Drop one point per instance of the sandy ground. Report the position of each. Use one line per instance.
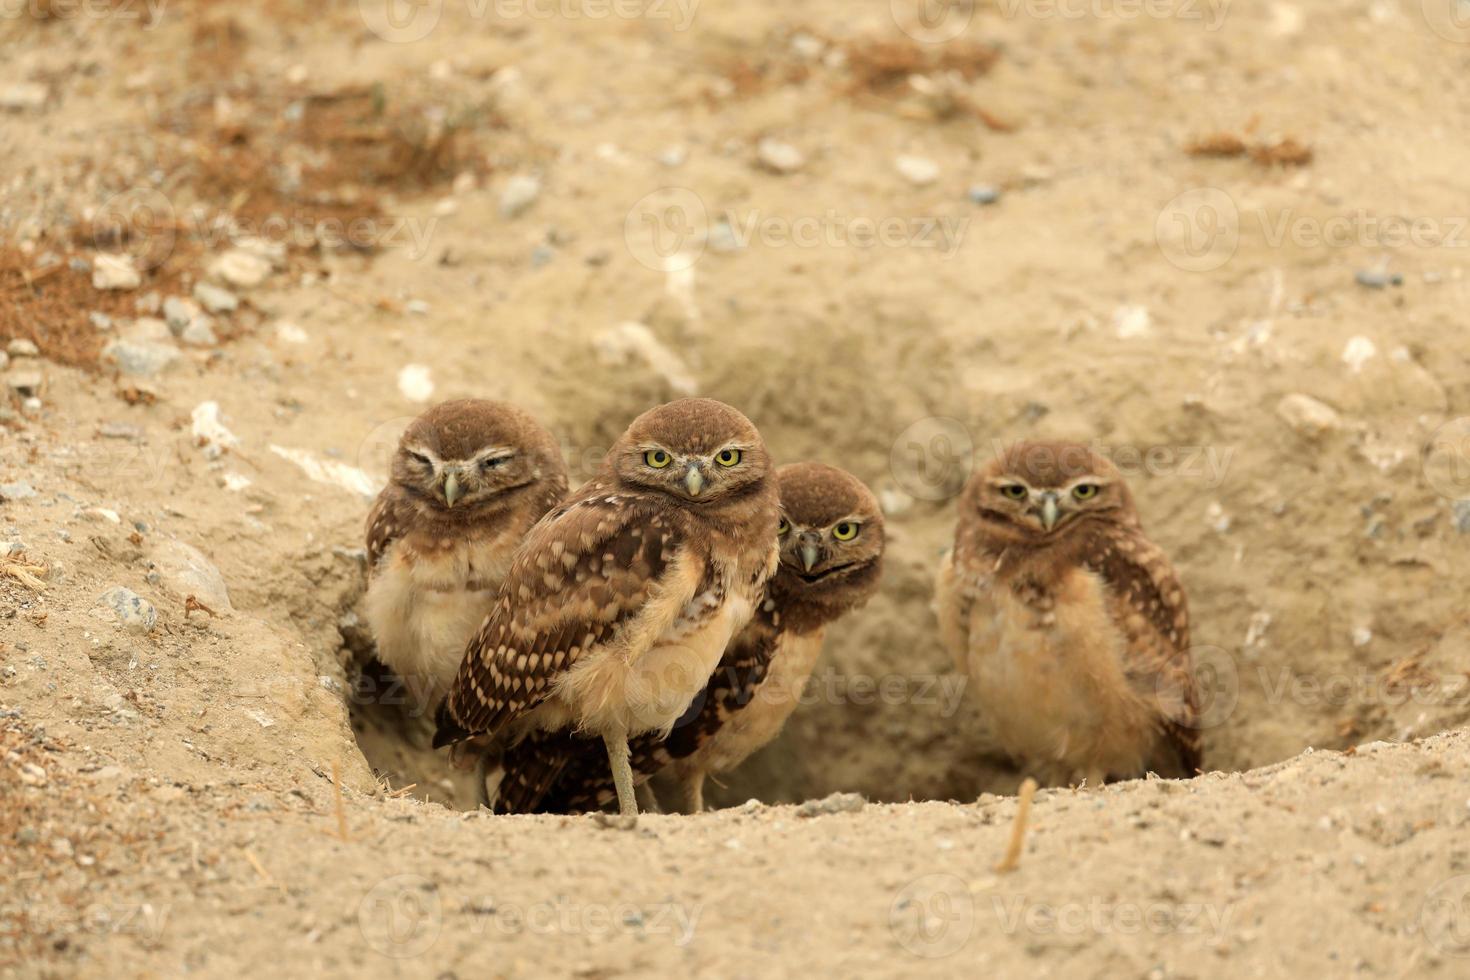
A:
(1296, 440)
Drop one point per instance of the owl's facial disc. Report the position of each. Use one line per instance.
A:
(816, 553)
(1047, 508)
(490, 472)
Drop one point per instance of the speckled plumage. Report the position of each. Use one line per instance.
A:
(758, 682)
(1075, 637)
(437, 550)
(617, 607)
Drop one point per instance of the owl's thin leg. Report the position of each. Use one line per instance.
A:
(622, 772)
(647, 799)
(694, 792)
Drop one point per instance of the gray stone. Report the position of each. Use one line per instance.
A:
(1378, 279)
(135, 613)
(1461, 509)
(984, 194)
(17, 491)
(200, 332)
(140, 358)
(184, 570)
(120, 430)
(216, 299)
(179, 313)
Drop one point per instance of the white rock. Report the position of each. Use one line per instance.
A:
(290, 333)
(200, 332)
(215, 299)
(241, 268)
(519, 193)
(17, 491)
(330, 471)
(135, 613)
(782, 158)
(1307, 416)
(1358, 352)
(26, 384)
(1132, 321)
(20, 347)
(629, 343)
(416, 383)
(115, 272)
(919, 171)
(209, 432)
(23, 95)
(184, 570)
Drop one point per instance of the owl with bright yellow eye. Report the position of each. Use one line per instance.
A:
(1070, 624)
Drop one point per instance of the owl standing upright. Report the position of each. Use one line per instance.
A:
(1069, 622)
(620, 603)
(467, 482)
(831, 541)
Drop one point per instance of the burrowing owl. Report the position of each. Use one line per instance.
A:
(831, 542)
(468, 480)
(618, 605)
(1070, 624)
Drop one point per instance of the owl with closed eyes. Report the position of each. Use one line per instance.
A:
(468, 480)
(619, 604)
(1069, 623)
(831, 545)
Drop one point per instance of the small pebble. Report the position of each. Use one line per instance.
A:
(836, 803)
(241, 268)
(984, 194)
(919, 171)
(779, 157)
(133, 611)
(140, 358)
(1378, 279)
(115, 272)
(519, 193)
(1461, 510)
(216, 299)
(17, 491)
(674, 156)
(1307, 416)
(20, 96)
(21, 347)
(100, 320)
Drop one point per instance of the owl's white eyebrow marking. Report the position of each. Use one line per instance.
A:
(494, 452)
(425, 452)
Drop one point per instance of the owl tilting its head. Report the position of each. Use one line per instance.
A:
(1070, 623)
(831, 554)
(468, 480)
(618, 605)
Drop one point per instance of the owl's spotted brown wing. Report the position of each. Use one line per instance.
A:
(385, 524)
(561, 772)
(582, 573)
(1148, 605)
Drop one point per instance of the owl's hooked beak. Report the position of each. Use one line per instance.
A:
(693, 481)
(452, 491)
(1050, 512)
(810, 552)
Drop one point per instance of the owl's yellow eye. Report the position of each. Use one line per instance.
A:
(657, 458)
(784, 528)
(846, 531)
(1085, 491)
(1013, 491)
(727, 457)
